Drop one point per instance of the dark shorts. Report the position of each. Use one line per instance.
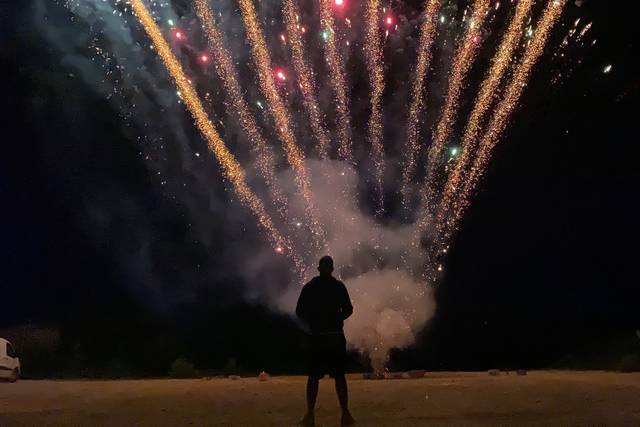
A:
(327, 355)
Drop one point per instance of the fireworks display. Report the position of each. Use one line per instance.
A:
(502, 114)
(323, 121)
(462, 62)
(376, 85)
(305, 77)
(280, 115)
(501, 63)
(337, 80)
(427, 36)
(322, 195)
(230, 167)
(226, 71)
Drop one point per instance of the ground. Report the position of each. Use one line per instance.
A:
(443, 398)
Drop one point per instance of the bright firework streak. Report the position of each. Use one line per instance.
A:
(225, 68)
(338, 83)
(339, 2)
(425, 43)
(376, 87)
(305, 78)
(280, 74)
(230, 166)
(501, 62)
(464, 58)
(504, 110)
(295, 156)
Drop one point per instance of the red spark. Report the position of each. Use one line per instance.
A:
(281, 75)
(339, 2)
(389, 20)
(204, 58)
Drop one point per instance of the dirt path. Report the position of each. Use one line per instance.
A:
(452, 399)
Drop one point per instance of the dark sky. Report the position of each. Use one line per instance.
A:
(542, 267)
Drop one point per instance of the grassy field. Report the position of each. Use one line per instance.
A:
(558, 398)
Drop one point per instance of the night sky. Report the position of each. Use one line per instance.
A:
(542, 269)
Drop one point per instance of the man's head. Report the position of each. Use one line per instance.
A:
(325, 265)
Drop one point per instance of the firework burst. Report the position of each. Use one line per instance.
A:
(226, 71)
(231, 169)
(376, 87)
(305, 77)
(502, 115)
(427, 36)
(336, 184)
(464, 59)
(489, 87)
(280, 115)
(338, 81)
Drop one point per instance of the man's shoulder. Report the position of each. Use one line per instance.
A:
(339, 283)
(323, 281)
(311, 282)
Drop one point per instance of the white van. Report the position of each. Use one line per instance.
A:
(9, 362)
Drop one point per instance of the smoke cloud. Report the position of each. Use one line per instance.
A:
(390, 305)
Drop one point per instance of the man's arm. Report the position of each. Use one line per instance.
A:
(301, 307)
(345, 307)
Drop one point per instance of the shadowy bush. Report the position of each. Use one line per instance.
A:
(620, 353)
(182, 368)
(231, 368)
(118, 370)
(629, 363)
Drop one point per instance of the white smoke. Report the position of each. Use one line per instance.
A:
(390, 305)
(390, 309)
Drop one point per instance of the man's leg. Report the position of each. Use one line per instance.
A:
(343, 398)
(312, 394)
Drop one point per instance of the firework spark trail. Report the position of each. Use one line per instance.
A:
(280, 115)
(503, 113)
(463, 60)
(427, 35)
(376, 87)
(231, 169)
(226, 71)
(338, 82)
(305, 77)
(488, 89)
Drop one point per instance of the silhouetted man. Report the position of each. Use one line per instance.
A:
(323, 305)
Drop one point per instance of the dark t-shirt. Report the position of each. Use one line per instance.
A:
(324, 304)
